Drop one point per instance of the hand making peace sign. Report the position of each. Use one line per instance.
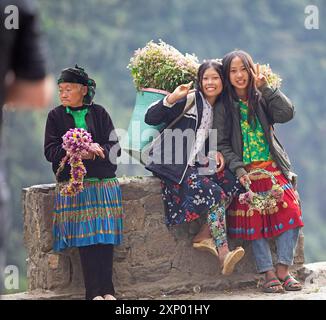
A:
(259, 78)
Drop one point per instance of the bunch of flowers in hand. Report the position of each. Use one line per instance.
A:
(76, 142)
(273, 79)
(161, 66)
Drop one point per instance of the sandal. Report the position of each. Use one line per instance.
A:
(231, 259)
(109, 297)
(206, 245)
(270, 286)
(288, 283)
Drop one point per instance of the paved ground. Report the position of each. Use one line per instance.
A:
(311, 292)
(314, 288)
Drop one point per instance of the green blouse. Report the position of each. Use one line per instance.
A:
(255, 145)
(79, 116)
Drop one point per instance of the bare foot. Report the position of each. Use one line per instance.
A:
(282, 271)
(222, 253)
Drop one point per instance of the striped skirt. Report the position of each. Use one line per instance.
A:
(249, 224)
(93, 216)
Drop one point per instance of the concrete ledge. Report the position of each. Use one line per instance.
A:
(152, 261)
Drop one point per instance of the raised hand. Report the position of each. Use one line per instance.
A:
(259, 78)
(180, 92)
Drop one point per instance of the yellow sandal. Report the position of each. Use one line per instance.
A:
(231, 259)
(206, 245)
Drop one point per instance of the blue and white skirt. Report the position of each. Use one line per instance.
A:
(93, 216)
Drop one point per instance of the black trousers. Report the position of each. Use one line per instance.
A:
(97, 262)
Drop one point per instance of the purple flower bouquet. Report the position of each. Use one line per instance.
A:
(75, 142)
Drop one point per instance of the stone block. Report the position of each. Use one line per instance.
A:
(134, 216)
(48, 271)
(58, 271)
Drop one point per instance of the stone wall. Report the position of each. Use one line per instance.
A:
(153, 261)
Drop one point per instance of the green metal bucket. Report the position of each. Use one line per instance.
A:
(139, 133)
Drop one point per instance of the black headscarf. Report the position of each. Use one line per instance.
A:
(78, 75)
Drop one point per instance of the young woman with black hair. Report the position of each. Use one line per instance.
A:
(247, 141)
(189, 190)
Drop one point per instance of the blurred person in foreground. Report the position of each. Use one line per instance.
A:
(24, 83)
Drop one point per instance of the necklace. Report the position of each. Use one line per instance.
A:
(244, 101)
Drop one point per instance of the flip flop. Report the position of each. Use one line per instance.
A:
(232, 258)
(270, 284)
(288, 283)
(206, 245)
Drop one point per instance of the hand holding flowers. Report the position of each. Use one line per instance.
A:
(94, 150)
(79, 146)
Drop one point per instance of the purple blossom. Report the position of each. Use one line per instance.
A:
(75, 142)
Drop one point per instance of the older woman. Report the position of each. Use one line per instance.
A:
(92, 219)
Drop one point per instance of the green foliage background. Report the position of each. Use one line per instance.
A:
(102, 35)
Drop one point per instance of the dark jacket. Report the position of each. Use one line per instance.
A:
(101, 128)
(166, 159)
(274, 108)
